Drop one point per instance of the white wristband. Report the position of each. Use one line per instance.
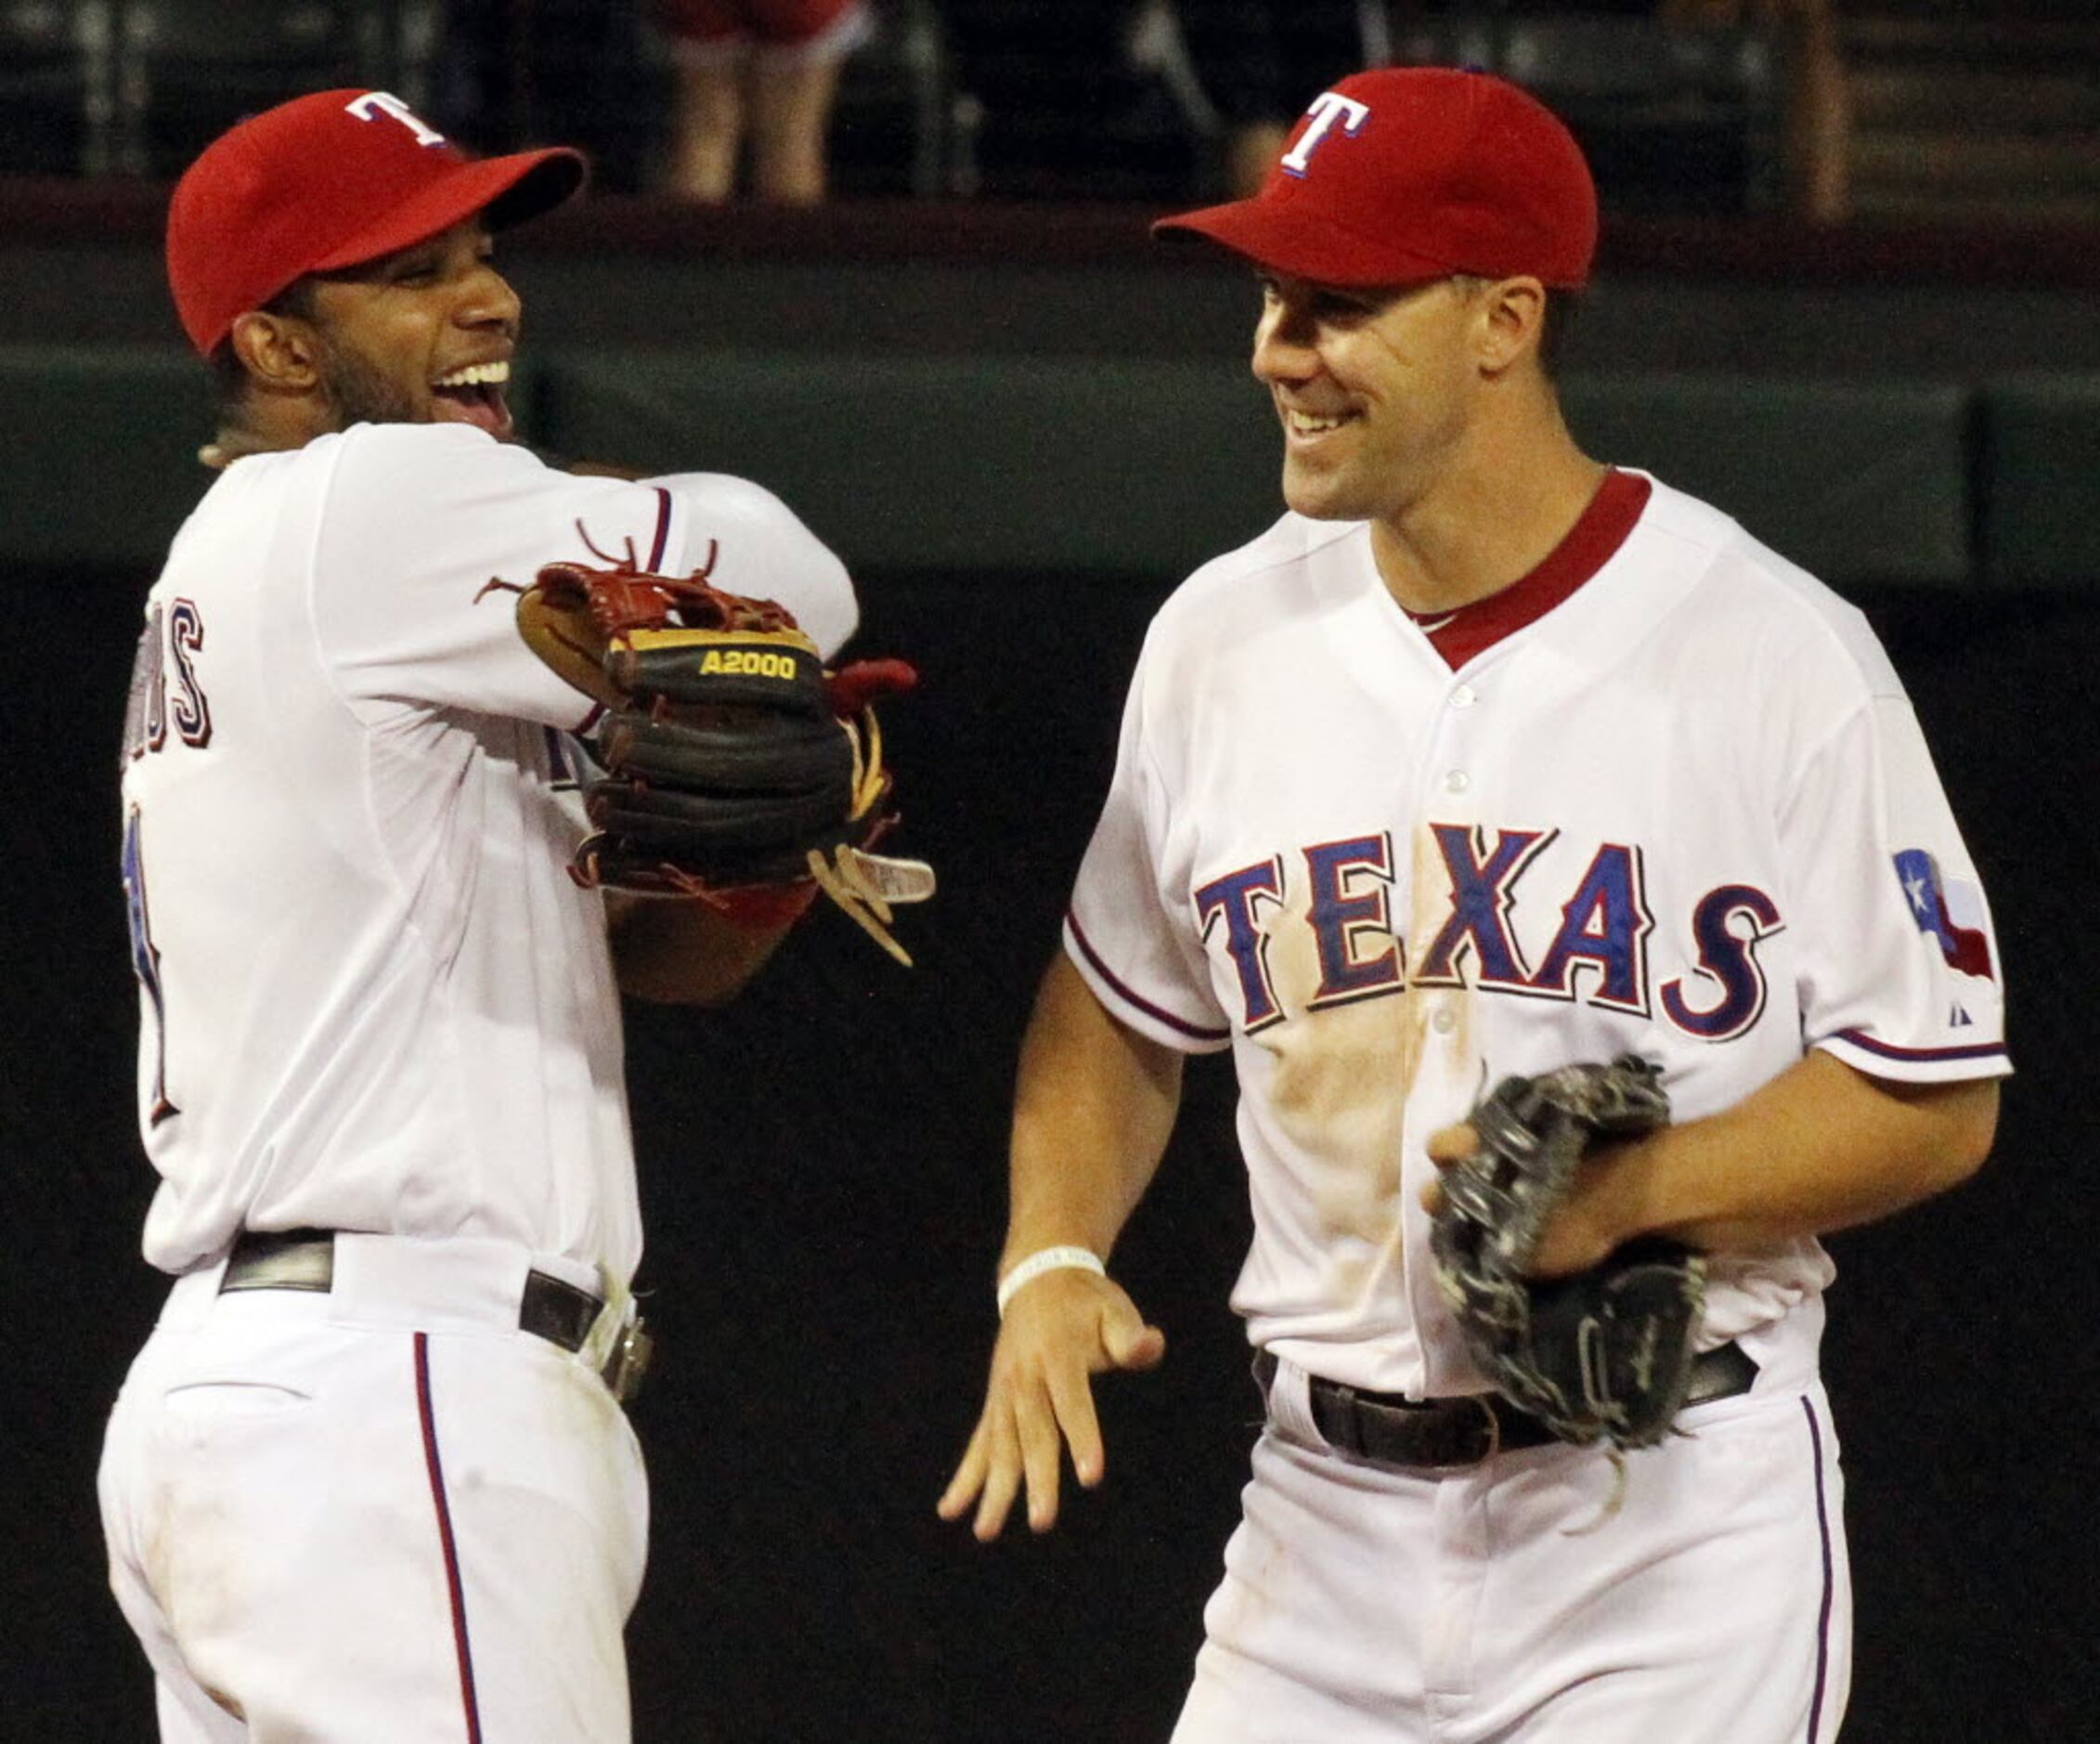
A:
(1048, 1259)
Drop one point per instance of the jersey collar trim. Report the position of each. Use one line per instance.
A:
(1459, 635)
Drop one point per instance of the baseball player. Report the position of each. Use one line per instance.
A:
(370, 1477)
(1485, 758)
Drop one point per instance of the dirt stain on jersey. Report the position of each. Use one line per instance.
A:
(1343, 1075)
(1338, 1093)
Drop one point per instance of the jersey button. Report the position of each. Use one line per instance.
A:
(1464, 696)
(1458, 781)
(1444, 1022)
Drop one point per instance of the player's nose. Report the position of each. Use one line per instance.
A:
(1283, 348)
(488, 300)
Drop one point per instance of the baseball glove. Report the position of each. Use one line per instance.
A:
(737, 769)
(1603, 1355)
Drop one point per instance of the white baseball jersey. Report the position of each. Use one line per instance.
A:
(1665, 795)
(372, 996)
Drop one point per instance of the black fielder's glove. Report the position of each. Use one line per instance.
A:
(1602, 1355)
(737, 769)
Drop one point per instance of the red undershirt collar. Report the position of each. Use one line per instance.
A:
(1459, 634)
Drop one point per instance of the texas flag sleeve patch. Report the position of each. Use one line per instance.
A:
(1947, 910)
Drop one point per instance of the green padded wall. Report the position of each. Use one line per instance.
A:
(105, 467)
(2041, 481)
(1855, 481)
(1152, 466)
(1137, 467)
(975, 463)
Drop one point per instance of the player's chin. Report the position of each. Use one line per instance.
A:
(1317, 493)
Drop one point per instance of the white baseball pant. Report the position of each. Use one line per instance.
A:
(1508, 1603)
(383, 1512)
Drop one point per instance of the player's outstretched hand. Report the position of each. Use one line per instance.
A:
(1063, 1328)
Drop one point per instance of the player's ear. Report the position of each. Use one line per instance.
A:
(278, 351)
(1511, 315)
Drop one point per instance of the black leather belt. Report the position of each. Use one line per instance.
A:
(1465, 1430)
(552, 1307)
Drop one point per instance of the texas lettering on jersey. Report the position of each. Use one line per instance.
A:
(1597, 953)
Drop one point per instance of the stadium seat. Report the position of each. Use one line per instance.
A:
(57, 87)
(1673, 119)
(187, 70)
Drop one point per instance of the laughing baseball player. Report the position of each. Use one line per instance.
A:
(1569, 880)
(370, 1476)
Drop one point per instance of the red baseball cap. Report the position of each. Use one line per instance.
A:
(1412, 173)
(330, 180)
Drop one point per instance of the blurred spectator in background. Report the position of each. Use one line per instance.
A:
(1152, 99)
(762, 72)
(515, 73)
(1058, 110)
(1260, 62)
(1141, 98)
(1814, 121)
(1815, 132)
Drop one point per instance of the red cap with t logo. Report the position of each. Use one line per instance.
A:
(331, 180)
(1412, 173)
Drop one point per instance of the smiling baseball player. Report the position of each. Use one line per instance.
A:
(370, 1477)
(1492, 775)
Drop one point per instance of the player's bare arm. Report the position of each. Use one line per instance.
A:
(1821, 1147)
(1093, 1110)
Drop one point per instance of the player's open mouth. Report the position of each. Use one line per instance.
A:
(1309, 424)
(474, 395)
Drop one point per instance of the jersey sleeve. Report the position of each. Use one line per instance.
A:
(418, 520)
(1900, 973)
(751, 542)
(1128, 930)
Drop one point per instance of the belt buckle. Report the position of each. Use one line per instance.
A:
(629, 1361)
(1493, 1431)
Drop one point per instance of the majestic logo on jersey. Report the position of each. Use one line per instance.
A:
(1329, 109)
(1933, 901)
(1597, 952)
